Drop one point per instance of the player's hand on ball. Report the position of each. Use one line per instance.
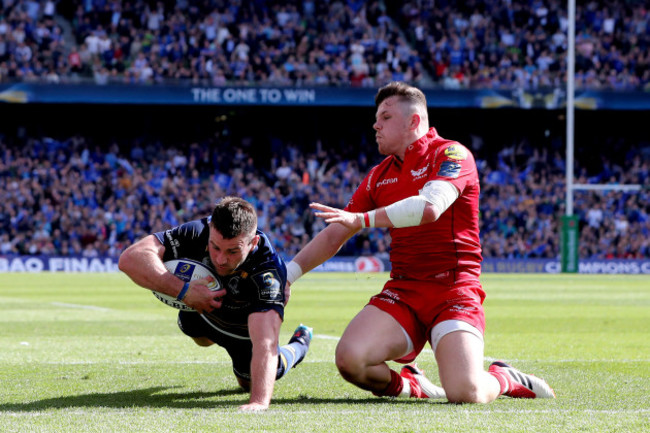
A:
(334, 215)
(202, 295)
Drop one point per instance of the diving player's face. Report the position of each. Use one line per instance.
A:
(228, 254)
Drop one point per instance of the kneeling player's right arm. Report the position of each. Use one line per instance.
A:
(318, 250)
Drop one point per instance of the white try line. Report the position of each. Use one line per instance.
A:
(571, 361)
(552, 411)
(135, 362)
(228, 362)
(78, 306)
(326, 337)
(428, 352)
(424, 352)
(364, 409)
(307, 360)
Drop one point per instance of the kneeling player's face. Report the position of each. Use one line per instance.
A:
(228, 254)
(392, 126)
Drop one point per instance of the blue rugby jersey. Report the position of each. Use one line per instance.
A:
(256, 285)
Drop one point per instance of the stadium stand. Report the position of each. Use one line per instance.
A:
(129, 189)
(499, 44)
(73, 196)
(476, 44)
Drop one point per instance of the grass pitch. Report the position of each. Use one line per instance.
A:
(95, 353)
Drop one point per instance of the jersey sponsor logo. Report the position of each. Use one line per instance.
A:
(449, 169)
(456, 152)
(372, 173)
(174, 243)
(463, 309)
(386, 182)
(390, 294)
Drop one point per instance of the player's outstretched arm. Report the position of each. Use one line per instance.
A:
(142, 262)
(264, 329)
(411, 211)
(424, 208)
(321, 248)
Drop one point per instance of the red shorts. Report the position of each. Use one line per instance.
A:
(420, 305)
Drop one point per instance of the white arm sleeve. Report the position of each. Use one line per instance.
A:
(440, 194)
(409, 211)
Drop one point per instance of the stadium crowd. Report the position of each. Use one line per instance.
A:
(492, 44)
(74, 197)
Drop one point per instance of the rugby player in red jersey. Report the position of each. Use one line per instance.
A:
(426, 192)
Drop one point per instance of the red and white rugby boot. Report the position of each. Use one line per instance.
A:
(417, 385)
(516, 384)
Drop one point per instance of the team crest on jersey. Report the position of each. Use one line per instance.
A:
(233, 285)
(456, 152)
(269, 285)
(449, 169)
(420, 173)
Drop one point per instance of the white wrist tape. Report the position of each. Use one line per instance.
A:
(407, 212)
(294, 271)
(367, 219)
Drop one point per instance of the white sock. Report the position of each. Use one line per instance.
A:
(406, 388)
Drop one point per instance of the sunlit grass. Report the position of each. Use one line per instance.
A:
(95, 353)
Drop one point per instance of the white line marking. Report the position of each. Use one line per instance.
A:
(427, 352)
(364, 409)
(568, 361)
(306, 361)
(326, 337)
(133, 362)
(424, 352)
(399, 410)
(596, 411)
(82, 307)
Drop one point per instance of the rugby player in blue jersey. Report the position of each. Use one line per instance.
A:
(244, 317)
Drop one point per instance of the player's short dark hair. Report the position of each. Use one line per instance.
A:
(403, 91)
(233, 216)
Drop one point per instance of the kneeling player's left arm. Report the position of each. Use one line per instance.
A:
(264, 330)
(424, 208)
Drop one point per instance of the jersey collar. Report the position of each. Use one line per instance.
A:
(418, 144)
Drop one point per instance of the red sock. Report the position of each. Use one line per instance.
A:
(394, 387)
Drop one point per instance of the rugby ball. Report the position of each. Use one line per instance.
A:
(186, 270)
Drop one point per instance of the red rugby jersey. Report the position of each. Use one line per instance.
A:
(451, 243)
